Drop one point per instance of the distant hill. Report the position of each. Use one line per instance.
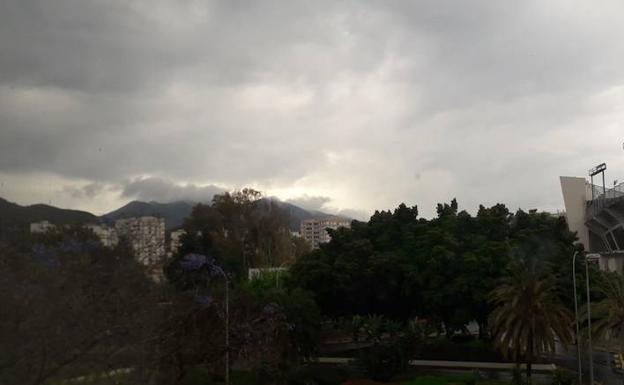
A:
(296, 214)
(173, 213)
(14, 217)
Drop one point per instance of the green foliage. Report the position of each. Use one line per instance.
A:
(316, 375)
(381, 362)
(516, 376)
(198, 375)
(301, 315)
(608, 311)
(450, 380)
(528, 318)
(443, 269)
(393, 343)
(563, 377)
(73, 307)
(241, 231)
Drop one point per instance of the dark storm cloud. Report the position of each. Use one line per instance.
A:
(347, 100)
(162, 190)
(310, 202)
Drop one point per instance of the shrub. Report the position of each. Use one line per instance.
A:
(381, 361)
(197, 375)
(516, 376)
(563, 377)
(317, 375)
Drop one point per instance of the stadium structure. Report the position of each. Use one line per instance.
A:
(596, 214)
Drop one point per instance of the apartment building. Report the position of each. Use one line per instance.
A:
(315, 230)
(146, 236)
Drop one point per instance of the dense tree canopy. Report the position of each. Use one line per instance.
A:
(443, 269)
(76, 307)
(241, 230)
(71, 307)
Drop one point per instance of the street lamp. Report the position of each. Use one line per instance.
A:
(219, 270)
(195, 262)
(576, 320)
(277, 273)
(588, 257)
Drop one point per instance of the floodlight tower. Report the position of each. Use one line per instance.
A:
(600, 169)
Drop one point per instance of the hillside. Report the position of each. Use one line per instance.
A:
(174, 213)
(14, 217)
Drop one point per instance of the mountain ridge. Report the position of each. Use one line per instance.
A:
(14, 217)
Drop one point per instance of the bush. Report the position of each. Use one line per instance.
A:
(393, 343)
(563, 377)
(317, 375)
(197, 375)
(516, 376)
(381, 362)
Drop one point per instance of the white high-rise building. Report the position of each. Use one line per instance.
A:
(176, 240)
(146, 236)
(107, 235)
(315, 230)
(41, 227)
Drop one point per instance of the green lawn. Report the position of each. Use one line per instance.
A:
(450, 380)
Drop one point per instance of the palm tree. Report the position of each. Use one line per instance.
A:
(608, 314)
(528, 316)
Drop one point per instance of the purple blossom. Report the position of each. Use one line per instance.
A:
(44, 256)
(271, 309)
(204, 300)
(192, 262)
(71, 246)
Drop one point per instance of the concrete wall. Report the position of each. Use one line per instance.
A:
(576, 193)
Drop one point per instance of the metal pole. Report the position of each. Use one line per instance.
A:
(578, 333)
(227, 324)
(589, 337)
(592, 186)
(604, 188)
(227, 332)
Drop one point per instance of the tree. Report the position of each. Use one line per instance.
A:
(528, 316)
(608, 313)
(548, 238)
(72, 307)
(269, 328)
(241, 230)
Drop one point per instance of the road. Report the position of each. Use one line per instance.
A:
(603, 370)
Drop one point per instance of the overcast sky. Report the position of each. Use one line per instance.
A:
(338, 105)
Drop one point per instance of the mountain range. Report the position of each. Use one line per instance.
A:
(14, 217)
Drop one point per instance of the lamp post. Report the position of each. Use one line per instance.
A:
(588, 257)
(227, 323)
(576, 320)
(589, 331)
(277, 273)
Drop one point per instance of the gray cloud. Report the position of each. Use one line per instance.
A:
(162, 190)
(310, 202)
(88, 191)
(484, 101)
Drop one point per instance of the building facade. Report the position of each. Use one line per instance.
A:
(107, 235)
(596, 215)
(315, 230)
(176, 240)
(146, 236)
(41, 227)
